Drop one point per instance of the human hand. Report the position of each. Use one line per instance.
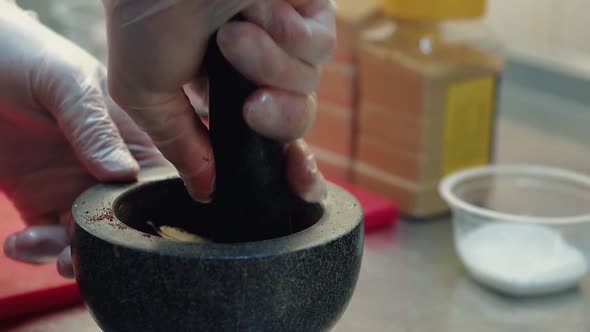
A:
(59, 134)
(155, 57)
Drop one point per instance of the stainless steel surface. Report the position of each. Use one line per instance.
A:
(411, 281)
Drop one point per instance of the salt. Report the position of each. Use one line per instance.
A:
(521, 259)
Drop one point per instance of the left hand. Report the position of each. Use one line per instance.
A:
(60, 133)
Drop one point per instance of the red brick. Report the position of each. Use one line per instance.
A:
(332, 130)
(332, 164)
(420, 201)
(388, 158)
(384, 84)
(338, 84)
(397, 129)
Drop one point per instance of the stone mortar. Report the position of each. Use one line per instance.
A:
(132, 280)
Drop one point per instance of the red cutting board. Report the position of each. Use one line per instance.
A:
(24, 288)
(378, 211)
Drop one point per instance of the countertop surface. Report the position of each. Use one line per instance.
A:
(411, 280)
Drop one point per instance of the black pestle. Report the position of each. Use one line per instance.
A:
(252, 200)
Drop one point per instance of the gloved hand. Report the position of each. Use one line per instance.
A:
(155, 56)
(59, 134)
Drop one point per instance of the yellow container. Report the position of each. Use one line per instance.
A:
(429, 74)
(434, 10)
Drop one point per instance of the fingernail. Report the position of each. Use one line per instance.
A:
(200, 197)
(203, 197)
(37, 244)
(260, 113)
(10, 246)
(318, 191)
(120, 164)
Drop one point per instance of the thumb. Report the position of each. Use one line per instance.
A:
(71, 93)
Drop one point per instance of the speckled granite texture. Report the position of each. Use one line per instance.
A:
(135, 281)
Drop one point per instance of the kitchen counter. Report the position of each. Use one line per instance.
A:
(411, 280)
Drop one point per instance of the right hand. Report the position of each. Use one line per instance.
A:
(155, 54)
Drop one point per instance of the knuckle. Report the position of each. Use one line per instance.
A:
(277, 68)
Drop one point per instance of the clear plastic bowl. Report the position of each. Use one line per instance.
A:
(521, 229)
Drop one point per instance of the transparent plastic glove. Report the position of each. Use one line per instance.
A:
(155, 55)
(59, 134)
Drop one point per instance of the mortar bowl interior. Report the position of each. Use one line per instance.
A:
(133, 280)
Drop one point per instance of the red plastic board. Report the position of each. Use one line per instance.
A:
(378, 211)
(26, 288)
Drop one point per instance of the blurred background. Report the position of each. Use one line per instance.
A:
(80, 21)
(548, 25)
(540, 114)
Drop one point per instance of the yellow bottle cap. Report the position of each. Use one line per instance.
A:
(432, 10)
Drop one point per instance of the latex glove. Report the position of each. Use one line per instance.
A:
(59, 134)
(155, 54)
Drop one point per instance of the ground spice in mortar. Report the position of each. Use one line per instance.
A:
(175, 233)
(105, 214)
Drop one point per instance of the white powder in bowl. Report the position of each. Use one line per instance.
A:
(521, 259)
